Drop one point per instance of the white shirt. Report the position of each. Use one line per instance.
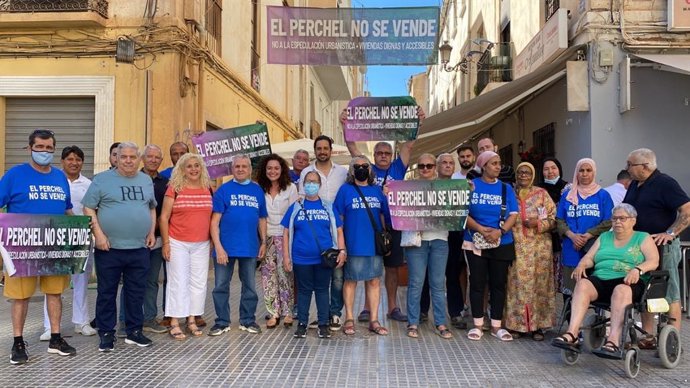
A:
(330, 184)
(458, 175)
(429, 235)
(77, 189)
(276, 208)
(617, 192)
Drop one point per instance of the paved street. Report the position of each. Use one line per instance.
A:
(274, 358)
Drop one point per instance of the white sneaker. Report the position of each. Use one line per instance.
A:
(45, 336)
(85, 330)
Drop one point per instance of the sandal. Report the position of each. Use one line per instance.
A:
(375, 327)
(537, 335)
(272, 322)
(648, 342)
(475, 334)
(287, 321)
(567, 341)
(412, 331)
(177, 336)
(349, 327)
(443, 332)
(193, 329)
(609, 350)
(502, 334)
(610, 347)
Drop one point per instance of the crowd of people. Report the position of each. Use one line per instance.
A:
(529, 235)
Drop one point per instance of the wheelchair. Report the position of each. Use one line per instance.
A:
(594, 330)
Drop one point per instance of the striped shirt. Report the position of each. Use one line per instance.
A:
(190, 219)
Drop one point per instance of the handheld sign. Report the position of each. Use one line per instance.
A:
(352, 36)
(36, 245)
(381, 119)
(429, 205)
(218, 147)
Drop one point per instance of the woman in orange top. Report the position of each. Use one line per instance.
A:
(184, 225)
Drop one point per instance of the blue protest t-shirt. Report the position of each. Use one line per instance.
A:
(123, 206)
(590, 212)
(305, 251)
(396, 172)
(359, 233)
(241, 207)
(485, 206)
(25, 190)
(294, 177)
(167, 173)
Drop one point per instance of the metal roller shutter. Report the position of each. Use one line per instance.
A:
(72, 120)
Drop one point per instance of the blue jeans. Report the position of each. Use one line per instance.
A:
(337, 302)
(312, 279)
(431, 256)
(221, 290)
(130, 265)
(151, 294)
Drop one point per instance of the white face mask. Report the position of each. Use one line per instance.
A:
(552, 181)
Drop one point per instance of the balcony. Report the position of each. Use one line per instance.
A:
(494, 66)
(53, 13)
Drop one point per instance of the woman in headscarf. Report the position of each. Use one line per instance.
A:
(554, 184)
(530, 292)
(488, 244)
(584, 212)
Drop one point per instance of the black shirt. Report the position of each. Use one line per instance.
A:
(657, 202)
(160, 186)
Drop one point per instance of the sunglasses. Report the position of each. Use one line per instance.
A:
(428, 166)
(360, 166)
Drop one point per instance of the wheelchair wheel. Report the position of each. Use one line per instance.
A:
(593, 338)
(569, 357)
(669, 346)
(632, 363)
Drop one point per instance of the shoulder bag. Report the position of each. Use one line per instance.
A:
(329, 257)
(382, 238)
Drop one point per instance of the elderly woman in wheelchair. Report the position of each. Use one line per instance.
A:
(620, 259)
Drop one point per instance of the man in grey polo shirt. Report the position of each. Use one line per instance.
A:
(122, 207)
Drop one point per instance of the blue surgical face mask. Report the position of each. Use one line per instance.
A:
(552, 181)
(244, 182)
(311, 188)
(42, 158)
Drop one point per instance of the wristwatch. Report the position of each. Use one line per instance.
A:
(671, 233)
(640, 269)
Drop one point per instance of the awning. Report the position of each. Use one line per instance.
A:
(444, 131)
(678, 61)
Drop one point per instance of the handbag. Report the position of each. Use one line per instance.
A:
(411, 238)
(478, 239)
(329, 257)
(382, 238)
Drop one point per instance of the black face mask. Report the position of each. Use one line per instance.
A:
(362, 174)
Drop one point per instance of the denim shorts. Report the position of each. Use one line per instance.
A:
(363, 268)
(670, 261)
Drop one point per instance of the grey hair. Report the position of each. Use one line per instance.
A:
(351, 170)
(627, 208)
(301, 151)
(646, 155)
(441, 156)
(383, 144)
(128, 144)
(242, 156)
(152, 147)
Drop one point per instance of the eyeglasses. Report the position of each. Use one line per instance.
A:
(360, 166)
(428, 166)
(620, 219)
(628, 164)
(525, 173)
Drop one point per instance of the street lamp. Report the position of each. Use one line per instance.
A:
(445, 50)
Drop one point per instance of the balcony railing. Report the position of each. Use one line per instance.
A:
(23, 6)
(494, 65)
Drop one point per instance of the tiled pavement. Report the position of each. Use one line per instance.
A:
(275, 359)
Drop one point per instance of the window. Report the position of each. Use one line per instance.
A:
(213, 25)
(551, 8)
(544, 140)
(506, 154)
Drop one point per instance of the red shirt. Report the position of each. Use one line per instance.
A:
(190, 220)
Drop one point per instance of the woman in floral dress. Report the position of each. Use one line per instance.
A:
(530, 294)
